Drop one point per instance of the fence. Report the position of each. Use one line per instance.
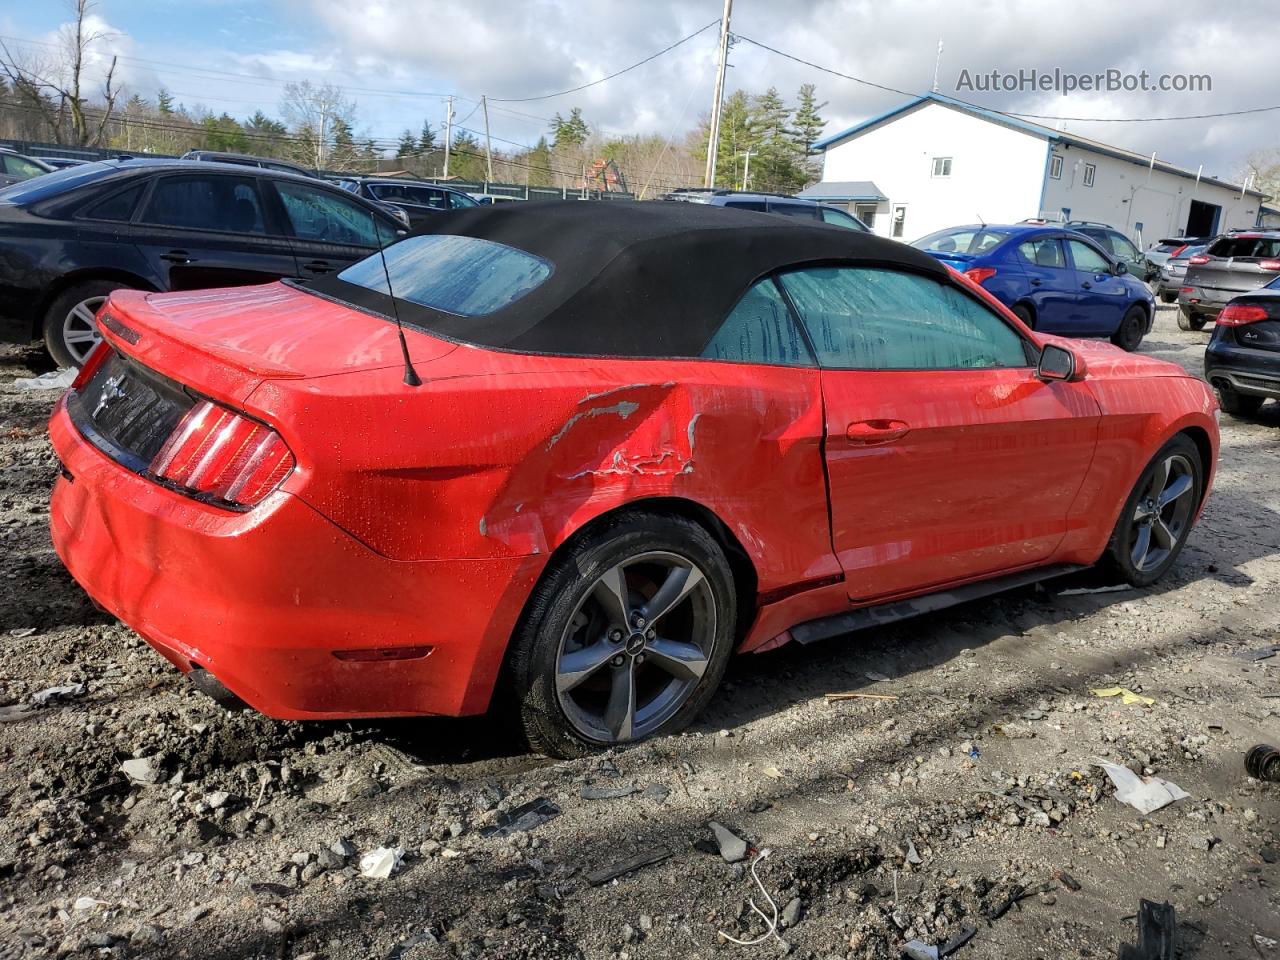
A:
(517, 191)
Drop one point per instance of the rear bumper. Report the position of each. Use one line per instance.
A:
(1243, 371)
(264, 600)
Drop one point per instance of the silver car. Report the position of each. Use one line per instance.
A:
(1173, 270)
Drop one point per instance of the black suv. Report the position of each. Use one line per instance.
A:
(780, 203)
(1233, 264)
(69, 238)
(417, 200)
(1243, 357)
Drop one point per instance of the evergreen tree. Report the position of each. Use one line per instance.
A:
(807, 126)
(572, 132)
(736, 137)
(408, 145)
(538, 161)
(426, 139)
(343, 153)
(776, 168)
(223, 133)
(265, 136)
(164, 103)
(467, 158)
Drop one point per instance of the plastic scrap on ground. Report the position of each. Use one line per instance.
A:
(524, 817)
(644, 858)
(1144, 794)
(1128, 697)
(381, 863)
(53, 380)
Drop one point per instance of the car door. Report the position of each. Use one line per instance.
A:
(330, 231)
(1052, 286)
(214, 229)
(1103, 297)
(947, 457)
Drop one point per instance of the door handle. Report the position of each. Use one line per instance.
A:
(318, 266)
(1087, 285)
(1036, 283)
(177, 256)
(876, 431)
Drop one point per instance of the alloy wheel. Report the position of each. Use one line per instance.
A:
(80, 328)
(1162, 514)
(636, 647)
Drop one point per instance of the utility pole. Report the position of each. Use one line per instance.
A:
(937, 62)
(713, 140)
(746, 166)
(448, 136)
(488, 146)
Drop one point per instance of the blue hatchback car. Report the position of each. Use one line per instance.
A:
(1055, 280)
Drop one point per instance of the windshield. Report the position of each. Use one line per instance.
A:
(52, 184)
(460, 275)
(970, 240)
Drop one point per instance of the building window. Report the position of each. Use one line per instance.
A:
(866, 212)
(899, 221)
(942, 166)
(1055, 167)
(1089, 170)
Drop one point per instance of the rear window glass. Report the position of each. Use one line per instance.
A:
(461, 275)
(1246, 247)
(59, 181)
(118, 207)
(969, 240)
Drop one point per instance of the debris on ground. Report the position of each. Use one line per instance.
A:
(1262, 762)
(732, 847)
(142, 770)
(621, 868)
(381, 863)
(836, 697)
(58, 379)
(1157, 933)
(525, 817)
(1144, 794)
(607, 793)
(1081, 591)
(1127, 696)
(64, 692)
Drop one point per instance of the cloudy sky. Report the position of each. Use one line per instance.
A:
(398, 59)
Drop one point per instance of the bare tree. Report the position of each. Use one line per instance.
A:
(1264, 167)
(57, 91)
(316, 114)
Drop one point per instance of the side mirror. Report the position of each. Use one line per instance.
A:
(1059, 363)
(1121, 268)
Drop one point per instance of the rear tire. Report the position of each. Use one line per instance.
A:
(1023, 313)
(1189, 321)
(1157, 516)
(1237, 404)
(70, 327)
(585, 674)
(1131, 330)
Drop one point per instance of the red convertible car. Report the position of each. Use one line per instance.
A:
(616, 443)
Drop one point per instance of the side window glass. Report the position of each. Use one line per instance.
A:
(330, 218)
(803, 210)
(1046, 252)
(871, 319)
(228, 204)
(747, 205)
(760, 329)
(1087, 259)
(1122, 248)
(118, 207)
(459, 202)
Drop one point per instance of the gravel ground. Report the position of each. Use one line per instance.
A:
(888, 819)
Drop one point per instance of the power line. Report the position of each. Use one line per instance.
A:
(1006, 113)
(639, 63)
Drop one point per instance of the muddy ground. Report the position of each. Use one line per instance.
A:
(249, 842)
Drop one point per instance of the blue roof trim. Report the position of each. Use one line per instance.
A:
(901, 108)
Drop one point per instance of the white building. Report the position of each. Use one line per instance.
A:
(935, 162)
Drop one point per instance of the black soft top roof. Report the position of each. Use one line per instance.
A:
(629, 279)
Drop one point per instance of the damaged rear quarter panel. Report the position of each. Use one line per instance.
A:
(508, 455)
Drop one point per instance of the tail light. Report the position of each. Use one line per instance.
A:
(218, 453)
(97, 354)
(1238, 316)
(1271, 265)
(980, 274)
(1198, 259)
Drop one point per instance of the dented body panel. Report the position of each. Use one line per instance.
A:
(421, 518)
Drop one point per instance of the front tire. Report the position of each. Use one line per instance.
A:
(1023, 313)
(70, 324)
(1157, 517)
(1131, 330)
(1189, 321)
(625, 637)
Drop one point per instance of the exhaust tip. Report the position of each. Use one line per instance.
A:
(214, 689)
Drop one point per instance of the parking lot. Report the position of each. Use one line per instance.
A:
(961, 794)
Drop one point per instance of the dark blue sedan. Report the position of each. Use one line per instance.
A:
(1055, 280)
